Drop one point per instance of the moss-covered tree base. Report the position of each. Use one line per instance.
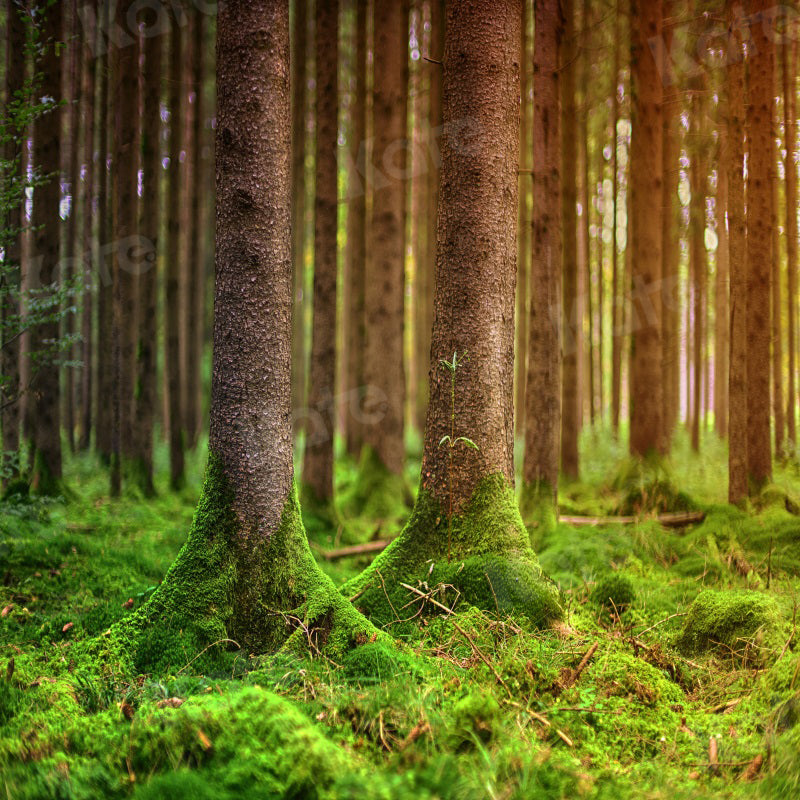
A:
(225, 592)
(377, 493)
(481, 556)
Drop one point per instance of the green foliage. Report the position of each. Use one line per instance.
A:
(614, 591)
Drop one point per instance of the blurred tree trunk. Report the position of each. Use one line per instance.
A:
(543, 395)
(318, 463)
(46, 253)
(722, 281)
(570, 397)
(737, 258)
(759, 249)
(646, 413)
(172, 299)
(790, 123)
(778, 410)
(617, 315)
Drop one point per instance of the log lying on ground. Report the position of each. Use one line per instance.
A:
(674, 519)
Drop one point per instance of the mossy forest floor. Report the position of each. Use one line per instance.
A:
(675, 675)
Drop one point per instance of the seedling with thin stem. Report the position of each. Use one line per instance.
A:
(451, 439)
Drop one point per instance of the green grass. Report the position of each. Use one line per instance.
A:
(475, 704)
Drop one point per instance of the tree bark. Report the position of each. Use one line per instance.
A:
(46, 253)
(647, 430)
(318, 464)
(617, 302)
(737, 257)
(778, 411)
(759, 250)
(571, 317)
(790, 122)
(721, 288)
(543, 396)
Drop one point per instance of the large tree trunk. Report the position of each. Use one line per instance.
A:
(543, 395)
(760, 169)
(172, 299)
(318, 463)
(357, 239)
(46, 250)
(465, 529)
(737, 378)
(571, 316)
(150, 229)
(790, 121)
(647, 431)
(246, 563)
(10, 351)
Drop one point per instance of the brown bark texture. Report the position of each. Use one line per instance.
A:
(790, 122)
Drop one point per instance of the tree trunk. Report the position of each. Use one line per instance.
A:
(172, 299)
(647, 431)
(760, 170)
(790, 122)
(570, 397)
(318, 464)
(247, 562)
(13, 154)
(357, 238)
(45, 256)
(299, 137)
(737, 378)
(149, 229)
(722, 281)
(617, 302)
(543, 396)
(465, 528)
(775, 317)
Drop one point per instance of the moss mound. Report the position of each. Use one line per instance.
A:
(614, 591)
(376, 494)
(738, 622)
(378, 662)
(647, 486)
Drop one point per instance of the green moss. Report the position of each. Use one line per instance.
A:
(614, 590)
(378, 662)
(647, 485)
(476, 718)
(485, 556)
(736, 622)
(624, 675)
(377, 493)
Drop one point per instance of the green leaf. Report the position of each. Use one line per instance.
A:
(467, 442)
(444, 439)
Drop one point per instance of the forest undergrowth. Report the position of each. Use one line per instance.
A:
(675, 673)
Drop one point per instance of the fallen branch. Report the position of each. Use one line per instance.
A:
(353, 550)
(571, 675)
(676, 519)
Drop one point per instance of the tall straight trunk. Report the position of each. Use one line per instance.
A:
(13, 154)
(299, 137)
(543, 396)
(72, 174)
(90, 251)
(616, 283)
(524, 223)
(149, 229)
(647, 429)
(318, 464)
(172, 299)
(778, 411)
(698, 255)
(125, 224)
(760, 170)
(357, 238)
(600, 256)
(670, 322)
(105, 373)
(385, 288)
(790, 122)
(570, 396)
(737, 258)
(721, 284)
(46, 253)
(584, 249)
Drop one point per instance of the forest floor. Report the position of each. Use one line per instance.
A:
(685, 684)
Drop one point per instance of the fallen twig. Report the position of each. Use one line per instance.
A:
(668, 519)
(353, 550)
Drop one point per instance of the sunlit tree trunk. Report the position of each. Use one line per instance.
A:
(790, 122)
(722, 280)
(616, 283)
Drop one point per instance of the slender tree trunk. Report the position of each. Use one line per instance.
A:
(318, 464)
(790, 122)
(385, 288)
(46, 253)
(617, 307)
(543, 398)
(150, 229)
(778, 410)
(599, 242)
(299, 79)
(737, 257)
(570, 397)
(172, 359)
(759, 250)
(722, 280)
(524, 224)
(13, 154)
(647, 429)
(90, 253)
